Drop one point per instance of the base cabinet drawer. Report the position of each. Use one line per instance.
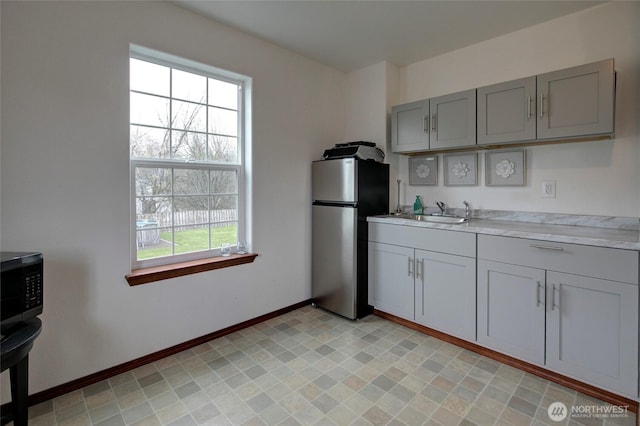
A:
(590, 261)
(436, 240)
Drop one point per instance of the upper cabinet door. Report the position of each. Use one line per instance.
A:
(410, 127)
(507, 112)
(453, 120)
(576, 101)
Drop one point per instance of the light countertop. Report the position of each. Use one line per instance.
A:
(620, 238)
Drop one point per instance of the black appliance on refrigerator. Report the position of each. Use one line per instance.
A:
(345, 191)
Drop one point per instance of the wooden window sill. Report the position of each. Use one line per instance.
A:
(158, 273)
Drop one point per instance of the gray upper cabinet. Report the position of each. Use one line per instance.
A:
(570, 103)
(577, 101)
(410, 127)
(453, 120)
(439, 123)
(507, 112)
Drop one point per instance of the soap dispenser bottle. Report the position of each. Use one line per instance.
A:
(417, 206)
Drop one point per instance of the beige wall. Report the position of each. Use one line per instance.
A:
(599, 178)
(65, 184)
(64, 153)
(370, 95)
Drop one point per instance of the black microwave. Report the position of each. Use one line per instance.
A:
(22, 287)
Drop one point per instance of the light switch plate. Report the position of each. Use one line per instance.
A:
(548, 189)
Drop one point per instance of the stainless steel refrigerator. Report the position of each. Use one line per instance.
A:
(345, 191)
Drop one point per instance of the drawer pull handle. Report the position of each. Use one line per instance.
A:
(539, 246)
(410, 267)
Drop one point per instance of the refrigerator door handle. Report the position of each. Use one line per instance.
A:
(334, 204)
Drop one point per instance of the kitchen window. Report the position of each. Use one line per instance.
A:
(188, 156)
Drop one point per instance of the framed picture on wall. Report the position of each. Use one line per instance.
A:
(423, 170)
(460, 169)
(504, 168)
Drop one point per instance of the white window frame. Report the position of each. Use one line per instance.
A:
(242, 167)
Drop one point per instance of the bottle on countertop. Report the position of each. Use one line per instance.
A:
(417, 206)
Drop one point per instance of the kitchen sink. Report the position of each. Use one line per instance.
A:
(438, 218)
(435, 218)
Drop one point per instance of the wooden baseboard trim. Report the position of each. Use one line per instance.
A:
(576, 385)
(147, 359)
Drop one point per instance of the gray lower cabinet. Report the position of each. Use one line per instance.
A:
(424, 275)
(536, 303)
(592, 329)
(511, 310)
(391, 279)
(410, 128)
(445, 293)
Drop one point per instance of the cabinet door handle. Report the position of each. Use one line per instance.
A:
(538, 287)
(426, 124)
(529, 108)
(553, 298)
(433, 122)
(410, 266)
(543, 247)
(541, 105)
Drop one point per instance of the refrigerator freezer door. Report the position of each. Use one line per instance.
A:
(334, 259)
(334, 180)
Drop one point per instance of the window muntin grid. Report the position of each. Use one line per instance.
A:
(186, 161)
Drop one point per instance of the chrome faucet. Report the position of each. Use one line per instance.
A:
(467, 210)
(441, 206)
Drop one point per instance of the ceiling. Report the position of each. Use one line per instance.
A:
(350, 35)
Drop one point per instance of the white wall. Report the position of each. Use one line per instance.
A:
(65, 188)
(371, 91)
(599, 178)
(64, 153)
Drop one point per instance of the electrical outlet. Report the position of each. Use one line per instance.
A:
(548, 189)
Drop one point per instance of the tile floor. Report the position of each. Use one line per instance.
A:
(309, 367)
